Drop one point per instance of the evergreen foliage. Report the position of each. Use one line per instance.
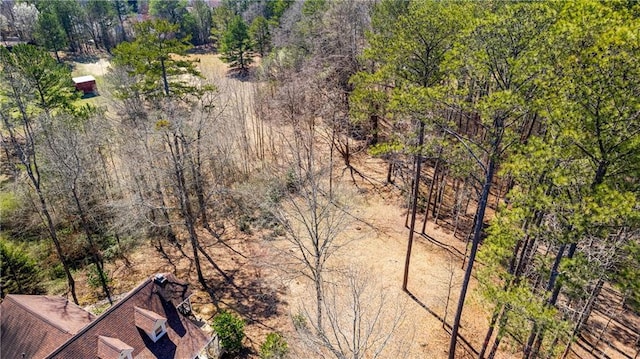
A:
(236, 46)
(20, 274)
(230, 330)
(260, 35)
(155, 58)
(274, 347)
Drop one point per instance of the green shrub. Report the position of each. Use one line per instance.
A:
(19, 272)
(244, 224)
(8, 206)
(274, 347)
(230, 330)
(93, 277)
(8, 202)
(299, 322)
(56, 271)
(292, 182)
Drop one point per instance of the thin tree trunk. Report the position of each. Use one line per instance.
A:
(436, 186)
(373, 120)
(319, 299)
(492, 324)
(584, 316)
(97, 261)
(410, 196)
(119, 11)
(458, 208)
(499, 311)
(185, 206)
(31, 167)
(500, 335)
(165, 81)
(499, 195)
(414, 205)
(431, 185)
(440, 197)
(537, 332)
(56, 242)
(171, 235)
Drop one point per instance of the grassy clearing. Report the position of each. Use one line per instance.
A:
(98, 70)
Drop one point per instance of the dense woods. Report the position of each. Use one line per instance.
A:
(513, 127)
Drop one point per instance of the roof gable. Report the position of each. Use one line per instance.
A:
(146, 319)
(112, 348)
(36, 325)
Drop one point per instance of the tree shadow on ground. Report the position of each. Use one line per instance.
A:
(246, 75)
(469, 349)
(83, 58)
(250, 297)
(449, 248)
(610, 327)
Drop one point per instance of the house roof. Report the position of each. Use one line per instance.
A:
(111, 348)
(81, 79)
(146, 319)
(172, 289)
(36, 325)
(183, 339)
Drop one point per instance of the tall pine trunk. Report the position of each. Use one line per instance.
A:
(414, 205)
(482, 206)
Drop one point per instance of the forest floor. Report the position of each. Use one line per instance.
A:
(376, 241)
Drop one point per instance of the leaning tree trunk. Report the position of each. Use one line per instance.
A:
(585, 314)
(431, 185)
(536, 331)
(27, 157)
(56, 243)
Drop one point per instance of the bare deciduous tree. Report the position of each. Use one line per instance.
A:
(313, 218)
(361, 320)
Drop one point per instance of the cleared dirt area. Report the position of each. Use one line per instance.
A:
(97, 68)
(267, 298)
(376, 241)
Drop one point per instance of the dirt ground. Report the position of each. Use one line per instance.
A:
(98, 67)
(267, 298)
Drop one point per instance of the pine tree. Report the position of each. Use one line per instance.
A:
(236, 46)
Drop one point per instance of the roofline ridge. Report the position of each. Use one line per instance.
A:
(99, 318)
(11, 297)
(148, 313)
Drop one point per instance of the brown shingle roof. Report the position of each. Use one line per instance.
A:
(146, 319)
(172, 289)
(182, 340)
(37, 325)
(110, 348)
